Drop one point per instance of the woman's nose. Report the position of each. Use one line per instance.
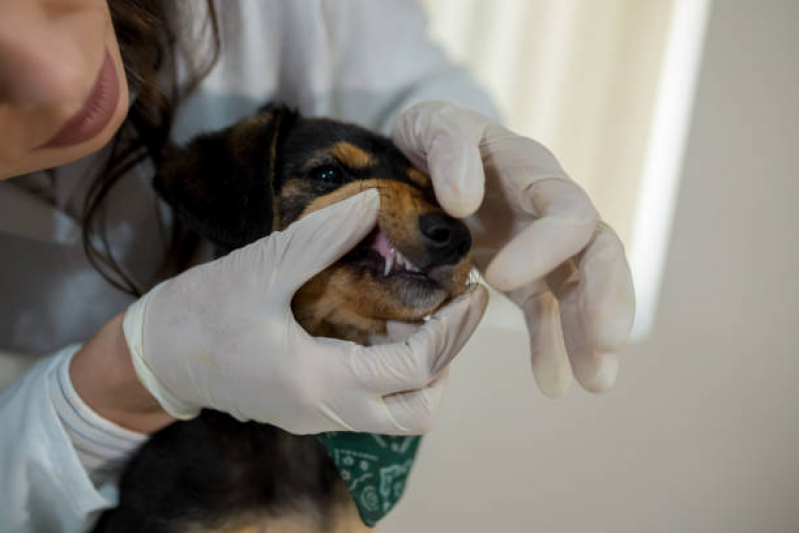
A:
(447, 239)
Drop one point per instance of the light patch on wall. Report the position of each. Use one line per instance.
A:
(608, 86)
(663, 164)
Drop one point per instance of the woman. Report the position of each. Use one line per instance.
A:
(97, 90)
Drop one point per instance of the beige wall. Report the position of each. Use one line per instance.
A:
(702, 432)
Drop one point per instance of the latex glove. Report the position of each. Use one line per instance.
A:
(537, 238)
(222, 336)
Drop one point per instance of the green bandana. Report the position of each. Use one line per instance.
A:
(374, 468)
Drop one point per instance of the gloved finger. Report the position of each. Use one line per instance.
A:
(595, 370)
(444, 140)
(405, 413)
(414, 412)
(412, 364)
(567, 221)
(396, 331)
(316, 241)
(551, 368)
(606, 297)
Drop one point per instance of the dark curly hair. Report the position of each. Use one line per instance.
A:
(150, 45)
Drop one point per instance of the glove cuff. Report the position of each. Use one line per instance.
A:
(133, 328)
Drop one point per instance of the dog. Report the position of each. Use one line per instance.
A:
(232, 187)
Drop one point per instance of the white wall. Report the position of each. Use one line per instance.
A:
(702, 432)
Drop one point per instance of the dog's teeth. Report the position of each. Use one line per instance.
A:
(405, 263)
(389, 264)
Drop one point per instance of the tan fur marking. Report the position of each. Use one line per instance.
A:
(460, 277)
(340, 194)
(292, 189)
(341, 303)
(344, 518)
(351, 155)
(255, 528)
(332, 305)
(418, 178)
(290, 523)
(348, 521)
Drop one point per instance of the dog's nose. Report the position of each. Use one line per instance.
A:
(447, 239)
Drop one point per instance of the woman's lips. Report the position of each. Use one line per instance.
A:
(96, 112)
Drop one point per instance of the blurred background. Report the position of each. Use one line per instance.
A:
(681, 118)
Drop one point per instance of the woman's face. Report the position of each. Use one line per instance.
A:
(63, 92)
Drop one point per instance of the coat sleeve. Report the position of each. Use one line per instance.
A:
(358, 61)
(44, 485)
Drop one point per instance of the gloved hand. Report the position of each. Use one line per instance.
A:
(222, 335)
(537, 238)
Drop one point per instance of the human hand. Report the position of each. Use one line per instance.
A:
(222, 335)
(537, 238)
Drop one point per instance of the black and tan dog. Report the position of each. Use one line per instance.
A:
(233, 187)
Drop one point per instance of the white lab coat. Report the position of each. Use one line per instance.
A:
(355, 60)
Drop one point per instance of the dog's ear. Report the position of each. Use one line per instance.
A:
(222, 185)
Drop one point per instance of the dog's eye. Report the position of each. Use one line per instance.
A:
(328, 174)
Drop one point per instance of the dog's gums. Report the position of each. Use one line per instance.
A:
(378, 253)
(392, 256)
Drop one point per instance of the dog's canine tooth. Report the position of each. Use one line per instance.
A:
(389, 264)
(405, 263)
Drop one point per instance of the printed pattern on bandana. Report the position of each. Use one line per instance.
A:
(374, 467)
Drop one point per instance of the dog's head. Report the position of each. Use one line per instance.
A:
(265, 172)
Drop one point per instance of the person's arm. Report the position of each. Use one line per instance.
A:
(104, 377)
(68, 425)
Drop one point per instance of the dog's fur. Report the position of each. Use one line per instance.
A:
(233, 187)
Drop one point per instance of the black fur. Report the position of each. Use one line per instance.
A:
(212, 468)
(221, 185)
(206, 471)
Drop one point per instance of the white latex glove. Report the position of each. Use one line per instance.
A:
(537, 238)
(222, 336)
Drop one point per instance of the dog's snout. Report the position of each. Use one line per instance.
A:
(447, 239)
